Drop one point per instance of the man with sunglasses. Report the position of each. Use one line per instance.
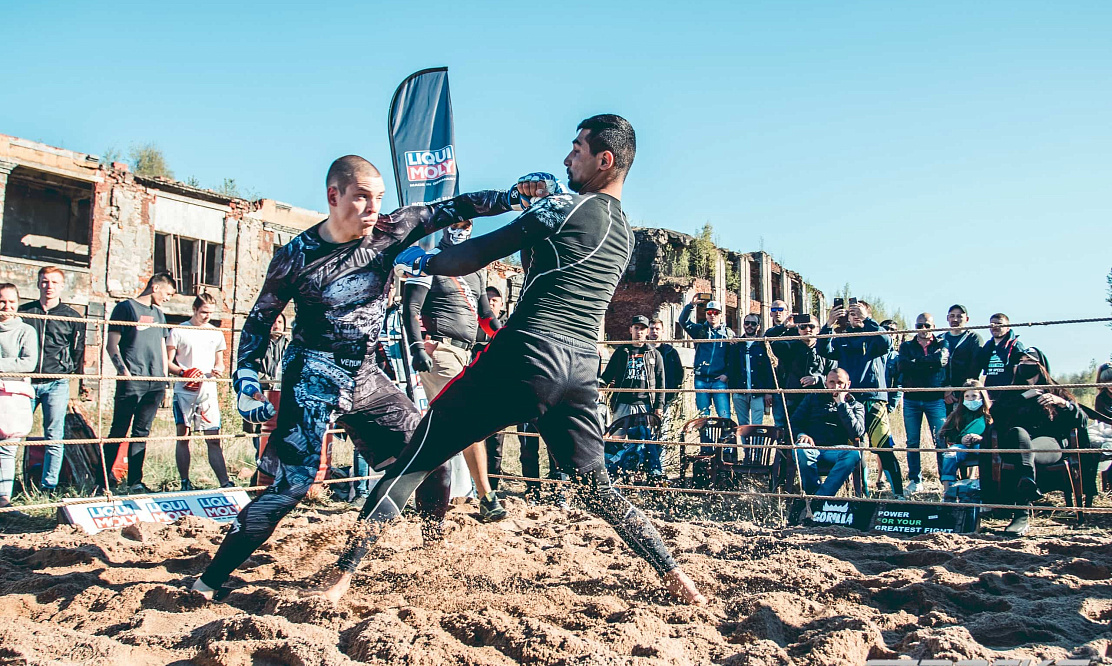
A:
(923, 361)
(748, 367)
(799, 364)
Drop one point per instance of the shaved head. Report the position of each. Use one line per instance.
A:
(345, 170)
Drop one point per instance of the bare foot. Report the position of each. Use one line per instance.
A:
(334, 586)
(204, 590)
(680, 586)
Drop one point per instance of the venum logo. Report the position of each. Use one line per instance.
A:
(425, 165)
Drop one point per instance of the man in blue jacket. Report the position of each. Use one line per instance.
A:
(748, 367)
(710, 358)
(863, 360)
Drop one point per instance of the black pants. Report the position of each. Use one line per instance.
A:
(135, 411)
(546, 377)
(1036, 451)
(530, 456)
(314, 389)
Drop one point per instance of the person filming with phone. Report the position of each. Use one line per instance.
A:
(863, 360)
(710, 358)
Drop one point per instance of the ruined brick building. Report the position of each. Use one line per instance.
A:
(110, 230)
(669, 267)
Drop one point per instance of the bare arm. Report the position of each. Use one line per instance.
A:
(172, 354)
(114, 353)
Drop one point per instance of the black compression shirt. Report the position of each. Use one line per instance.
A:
(340, 289)
(450, 306)
(578, 249)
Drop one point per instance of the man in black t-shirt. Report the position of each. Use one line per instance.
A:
(138, 351)
(543, 363)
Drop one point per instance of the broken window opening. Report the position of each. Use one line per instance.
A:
(192, 262)
(47, 218)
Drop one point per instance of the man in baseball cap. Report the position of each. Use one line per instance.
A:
(636, 366)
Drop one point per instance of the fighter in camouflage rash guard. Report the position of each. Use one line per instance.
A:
(340, 292)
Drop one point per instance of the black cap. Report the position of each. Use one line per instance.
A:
(640, 320)
(959, 306)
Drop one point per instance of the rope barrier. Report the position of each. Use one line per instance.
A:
(793, 496)
(170, 495)
(862, 389)
(108, 496)
(785, 447)
(114, 322)
(856, 334)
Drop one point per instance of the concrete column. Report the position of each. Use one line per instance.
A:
(766, 288)
(743, 285)
(5, 169)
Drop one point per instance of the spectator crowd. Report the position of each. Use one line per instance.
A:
(871, 380)
(837, 433)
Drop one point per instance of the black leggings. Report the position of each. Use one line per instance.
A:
(379, 428)
(548, 378)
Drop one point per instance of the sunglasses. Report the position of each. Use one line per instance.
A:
(807, 327)
(777, 309)
(920, 326)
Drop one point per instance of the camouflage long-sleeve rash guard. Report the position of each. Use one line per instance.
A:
(340, 290)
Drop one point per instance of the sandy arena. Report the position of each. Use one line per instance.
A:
(549, 587)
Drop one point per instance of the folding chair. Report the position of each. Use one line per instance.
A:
(1064, 475)
(709, 430)
(747, 460)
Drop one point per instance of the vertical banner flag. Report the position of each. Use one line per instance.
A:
(422, 139)
(422, 144)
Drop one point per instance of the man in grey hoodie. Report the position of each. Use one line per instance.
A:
(19, 352)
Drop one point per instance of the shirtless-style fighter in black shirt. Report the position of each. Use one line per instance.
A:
(543, 363)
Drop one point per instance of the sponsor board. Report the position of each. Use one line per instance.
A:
(97, 516)
(892, 518)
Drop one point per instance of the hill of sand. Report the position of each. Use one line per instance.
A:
(552, 587)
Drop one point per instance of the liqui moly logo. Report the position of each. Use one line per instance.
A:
(168, 511)
(426, 165)
(113, 516)
(218, 507)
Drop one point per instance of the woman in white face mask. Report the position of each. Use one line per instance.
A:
(963, 430)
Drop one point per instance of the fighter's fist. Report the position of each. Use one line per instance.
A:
(252, 405)
(422, 362)
(532, 187)
(412, 260)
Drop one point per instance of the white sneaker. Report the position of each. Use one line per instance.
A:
(912, 488)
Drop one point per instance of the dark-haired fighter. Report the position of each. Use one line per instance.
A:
(543, 363)
(338, 273)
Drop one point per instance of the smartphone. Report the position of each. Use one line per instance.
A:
(704, 297)
(839, 302)
(853, 300)
(1032, 393)
(801, 319)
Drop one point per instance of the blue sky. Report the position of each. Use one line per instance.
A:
(927, 153)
